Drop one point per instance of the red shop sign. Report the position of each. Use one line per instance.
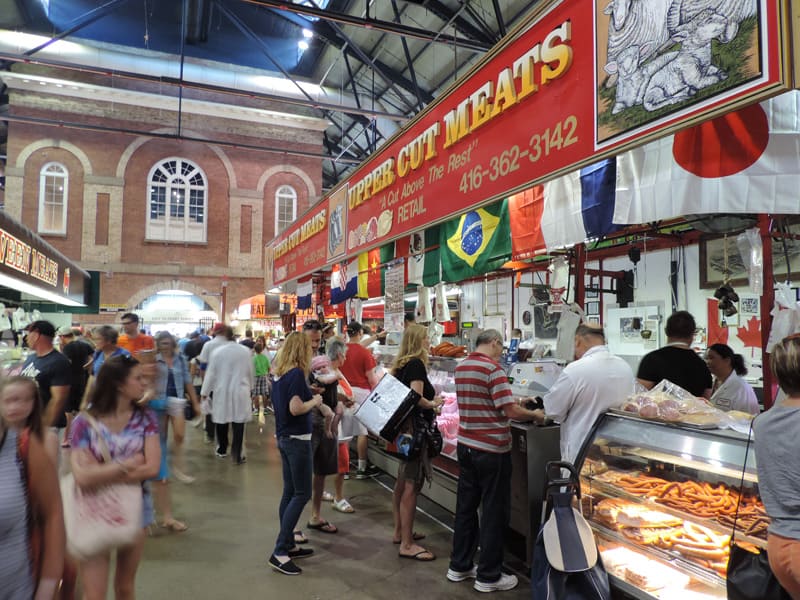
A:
(301, 248)
(573, 85)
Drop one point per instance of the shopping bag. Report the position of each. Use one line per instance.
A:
(750, 577)
(386, 407)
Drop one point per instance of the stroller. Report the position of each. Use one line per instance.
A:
(566, 563)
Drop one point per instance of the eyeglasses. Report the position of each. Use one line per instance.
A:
(312, 326)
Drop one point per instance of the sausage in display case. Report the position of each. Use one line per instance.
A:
(662, 499)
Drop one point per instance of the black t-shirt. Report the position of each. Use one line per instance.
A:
(193, 348)
(248, 342)
(414, 370)
(78, 353)
(681, 366)
(50, 370)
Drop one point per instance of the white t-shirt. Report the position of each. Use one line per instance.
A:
(585, 389)
(736, 394)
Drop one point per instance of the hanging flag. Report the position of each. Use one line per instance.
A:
(344, 281)
(566, 211)
(477, 242)
(422, 264)
(304, 289)
(746, 161)
(372, 270)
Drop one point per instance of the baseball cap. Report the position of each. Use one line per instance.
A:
(45, 328)
(217, 329)
(66, 331)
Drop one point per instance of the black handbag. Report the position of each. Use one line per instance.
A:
(749, 576)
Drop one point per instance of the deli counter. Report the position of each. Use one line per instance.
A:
(662, 498)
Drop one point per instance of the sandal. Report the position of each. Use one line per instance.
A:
(327, 497)
(299, 538)
(323, 526)
(343, 506)
(423, 555)
(415, 535)
(175, 525)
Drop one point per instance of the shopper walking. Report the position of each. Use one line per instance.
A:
(32, 535)
(131, 434)
(359, 370)
(485, 405)
(775, 439)
(228, 381)
(260, 392)
(51, 370)
(171, 383)
(411, 368)
(79, 353)
(293, 402)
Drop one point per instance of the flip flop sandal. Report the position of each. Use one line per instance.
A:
(420, 556)
(323, 526)
(175, 526)
(415, 535)
(299, 538)
(343, 506)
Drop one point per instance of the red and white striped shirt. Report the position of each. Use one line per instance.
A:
(483, 390)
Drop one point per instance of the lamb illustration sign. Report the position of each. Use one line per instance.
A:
(579, 81)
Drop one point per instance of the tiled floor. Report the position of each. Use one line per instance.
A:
(232, 516)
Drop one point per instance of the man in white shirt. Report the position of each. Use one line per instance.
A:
(596, 381)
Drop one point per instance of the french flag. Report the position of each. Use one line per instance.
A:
(746, 161)
(344, 281)
(563, 212)
(304, 290)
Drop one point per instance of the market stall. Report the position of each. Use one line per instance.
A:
(511, 165)
(36, 282)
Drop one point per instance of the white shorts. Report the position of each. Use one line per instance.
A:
(175, 406)
(349, 426)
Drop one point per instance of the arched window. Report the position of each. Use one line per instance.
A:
(177, 202)
(53, 194)
(285, 207)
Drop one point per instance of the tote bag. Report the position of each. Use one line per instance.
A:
(103, 518)
(751, 578)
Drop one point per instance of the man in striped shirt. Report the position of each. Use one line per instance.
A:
(485, 406)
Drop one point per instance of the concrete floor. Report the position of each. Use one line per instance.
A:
(232, 516)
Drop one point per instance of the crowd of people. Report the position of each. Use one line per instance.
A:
(116, 397)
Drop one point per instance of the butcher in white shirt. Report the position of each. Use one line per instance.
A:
(596, 381)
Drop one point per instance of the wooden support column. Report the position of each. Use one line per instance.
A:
(580, 274)
(767, 301)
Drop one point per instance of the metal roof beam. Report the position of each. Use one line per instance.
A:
(409, 62)
(376, 24)
(501, 24)
(448, 15)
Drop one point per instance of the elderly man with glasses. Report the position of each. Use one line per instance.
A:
(485, 408)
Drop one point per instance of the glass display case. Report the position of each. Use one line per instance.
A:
(662, 500)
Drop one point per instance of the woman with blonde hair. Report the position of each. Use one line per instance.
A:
(292, 401)
(410, 367)
(775, 441)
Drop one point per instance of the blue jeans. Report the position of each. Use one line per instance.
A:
(484, 481)
(296, 459)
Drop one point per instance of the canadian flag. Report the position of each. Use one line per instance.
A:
(747, 161)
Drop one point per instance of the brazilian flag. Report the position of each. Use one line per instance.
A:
(477, 242)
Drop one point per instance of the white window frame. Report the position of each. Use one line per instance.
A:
(176, 175)
(56, 171)
(285, 193)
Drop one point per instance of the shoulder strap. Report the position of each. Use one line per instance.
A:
(741, 483)
(96, 426)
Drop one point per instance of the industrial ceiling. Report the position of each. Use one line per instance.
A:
(376, 63)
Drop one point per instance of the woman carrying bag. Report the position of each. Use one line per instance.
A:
(775, 440)
(115, 442)
(410, 367)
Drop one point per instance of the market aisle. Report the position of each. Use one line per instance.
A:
(232, 517)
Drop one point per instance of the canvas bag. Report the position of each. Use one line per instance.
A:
(101, 519)
(566, 563)
(386, 407)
